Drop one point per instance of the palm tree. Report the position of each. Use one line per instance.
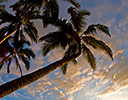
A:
(21, 20)
(18, 25)
(38, 4)
(13, 46)
(68, 36)
(14, 50)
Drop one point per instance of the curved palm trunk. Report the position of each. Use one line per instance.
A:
(18, 83)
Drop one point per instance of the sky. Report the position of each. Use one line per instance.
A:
(110, 79)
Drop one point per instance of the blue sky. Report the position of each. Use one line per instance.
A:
(108, 82)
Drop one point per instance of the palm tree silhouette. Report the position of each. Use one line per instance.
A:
(21, 20)
(15, 50)
(38, 4)
(18, 25)
(68, 36)
(71, 36)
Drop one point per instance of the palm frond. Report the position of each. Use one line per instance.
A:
(82, 14)
(97, 27)
(103, 28)
(17, 5)
(5, 59)
(31, 31)
(5, 16)
(28, 53)
(19, 39)
(26, 62)
(54, 40)
(47, 36)
(64, 68)
(98, 44)
(18, 65)
(74, 18)
(23, 39)
(54, 9)
(58, 22)
(74, 48)
(60, 36)
(61, 24)
(48, 46)
(51, 9)
(78, 17)
(31, 4)
(8, 66)
(29, 15)
(74, 2)
(26, 42)
(89, 56)
(31, 53)
(74, 61)
(90, 30)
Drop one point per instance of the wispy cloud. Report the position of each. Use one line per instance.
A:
(110, 77)
(118, 74)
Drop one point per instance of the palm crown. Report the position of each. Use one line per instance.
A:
(20, 21)
(37, 4)
(16, 52)
(70, 34)
(13, 47)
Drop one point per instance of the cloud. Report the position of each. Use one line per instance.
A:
(55, 55)
(120, 94)
(80, 79)
(59, 94)
(44, 88)
(38, 61)
(18, 95)
(119, 52)
(56, 82)
(118, 74)
(64, 99)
